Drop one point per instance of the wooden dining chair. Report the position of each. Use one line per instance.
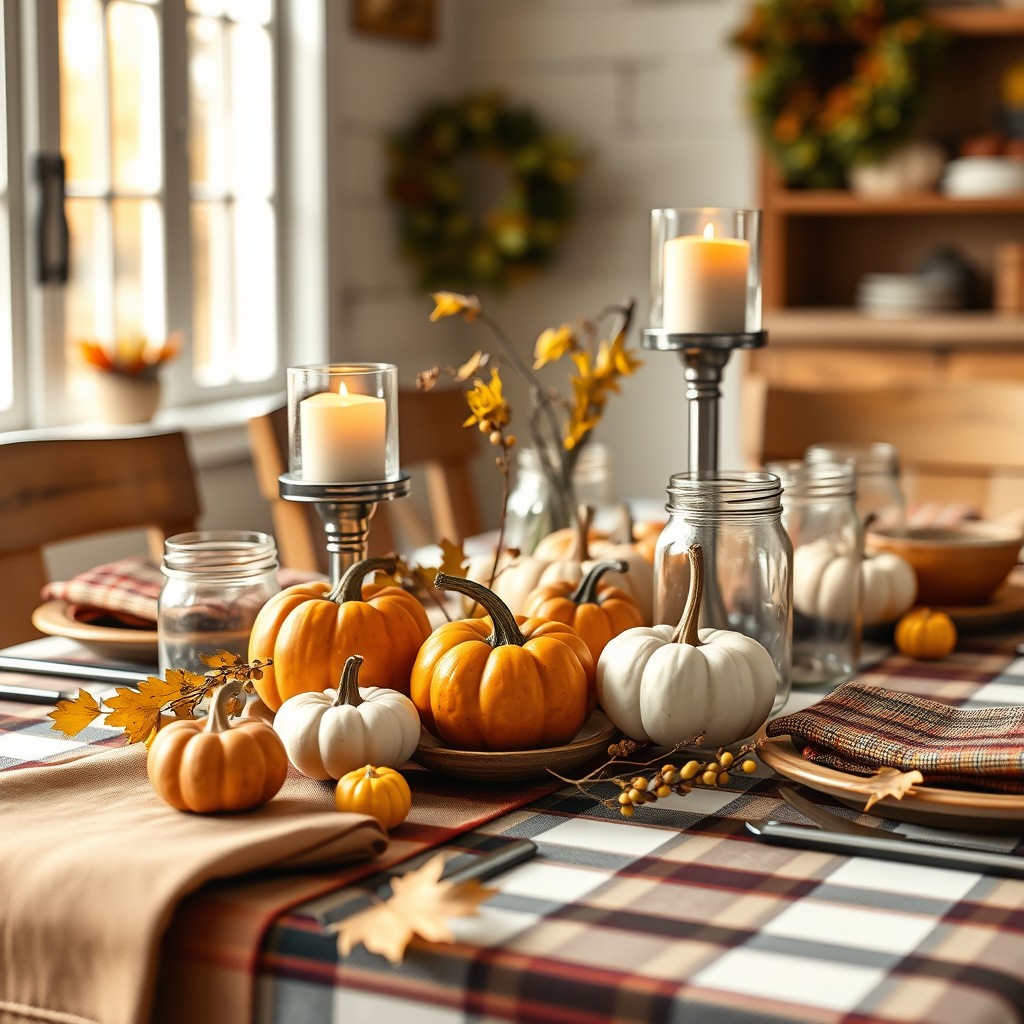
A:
(63, 488)
(959, 442)
(433, 444)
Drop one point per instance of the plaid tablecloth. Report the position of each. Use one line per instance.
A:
(676, 915)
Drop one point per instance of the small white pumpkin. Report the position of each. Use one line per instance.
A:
(667, 685)
(328, 734)
(826, 581)
(518, 578)
(890, 586)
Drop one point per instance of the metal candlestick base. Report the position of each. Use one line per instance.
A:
(704, 357)
(346, 510)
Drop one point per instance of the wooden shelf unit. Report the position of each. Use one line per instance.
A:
(818, 243)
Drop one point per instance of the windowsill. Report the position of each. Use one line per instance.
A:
(217, 431)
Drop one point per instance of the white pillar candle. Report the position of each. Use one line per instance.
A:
(342, 437)
(705, 284)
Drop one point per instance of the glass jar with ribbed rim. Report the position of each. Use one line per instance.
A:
(877, 465)
(216, 581)
(819, 513)
(736, 518)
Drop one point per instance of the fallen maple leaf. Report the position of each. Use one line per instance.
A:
(453, 563)
(72, 716)
(421, 904)
(889, 782)
(220, 659)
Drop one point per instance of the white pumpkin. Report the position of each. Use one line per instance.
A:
(826, 581)
(667, 684)
(890, 586)
(329, 734)
(519, 577)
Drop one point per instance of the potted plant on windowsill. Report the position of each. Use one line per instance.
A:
(125, 376)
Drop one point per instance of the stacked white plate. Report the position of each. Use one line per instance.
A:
(896, 295)
(981, 177)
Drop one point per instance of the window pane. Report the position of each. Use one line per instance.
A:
(207, 118)
(211, 294)
(255, 12)
(138, 269)
(252, 106)
(134, 96)
(88, 302)
(255, 355)
(83, 105)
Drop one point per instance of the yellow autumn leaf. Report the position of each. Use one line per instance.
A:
(220, 659)
(552, 344)
(452, 304)
(396, 578)
(137, 712)
(888, 782)
(421, 905)
(72, 716)
(453, 559)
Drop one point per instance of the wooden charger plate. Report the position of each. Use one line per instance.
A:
(517, 765)
(1005, 606)
(956, 809)
(118, 644)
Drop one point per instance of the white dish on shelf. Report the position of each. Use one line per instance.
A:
(984, 177)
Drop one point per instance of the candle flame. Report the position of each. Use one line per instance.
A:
(709, 230)
(342, 388)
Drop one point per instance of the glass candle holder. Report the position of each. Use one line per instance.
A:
(343, 422)
(706, 271)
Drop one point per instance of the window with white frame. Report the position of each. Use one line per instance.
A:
(166, 115)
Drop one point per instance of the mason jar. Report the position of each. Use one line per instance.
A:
(529, 517)
(215, 583)
(736, 518)
(819, 513)
(879, 493)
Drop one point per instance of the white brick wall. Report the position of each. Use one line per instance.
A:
(648, 87)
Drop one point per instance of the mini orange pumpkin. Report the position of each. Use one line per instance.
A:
(925, 634)
(216, 766)
(310, 630)
(381, 793)
(596, 614)
(502, 683)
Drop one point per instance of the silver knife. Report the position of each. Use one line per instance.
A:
(883, 846)
(484, 865)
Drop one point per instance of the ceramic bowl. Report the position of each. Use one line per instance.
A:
(956, 565)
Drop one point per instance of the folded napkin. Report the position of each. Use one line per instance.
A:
(859, 728)
(93, 864)
(125, 592)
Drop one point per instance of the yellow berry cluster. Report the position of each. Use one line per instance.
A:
(669, 779)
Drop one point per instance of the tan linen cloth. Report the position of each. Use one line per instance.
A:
(93, 864)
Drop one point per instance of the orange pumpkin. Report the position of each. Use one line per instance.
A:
(504, 682)
(596, 614)
(216, 766)
(310, 630)
(925, 634)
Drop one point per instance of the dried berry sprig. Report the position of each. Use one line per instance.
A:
(640, 789)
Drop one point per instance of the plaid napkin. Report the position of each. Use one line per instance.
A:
(125, 592)
(859, 728)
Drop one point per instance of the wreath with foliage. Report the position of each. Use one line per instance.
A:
(835, 83)
(432, 183)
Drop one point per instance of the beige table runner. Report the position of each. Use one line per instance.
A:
(93, 864)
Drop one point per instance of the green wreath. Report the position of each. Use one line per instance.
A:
(835, 83)
(431, 182)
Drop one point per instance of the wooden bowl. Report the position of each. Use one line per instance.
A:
(956, 565)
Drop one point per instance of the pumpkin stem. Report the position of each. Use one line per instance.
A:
(506, 630)
(348, 688)
(586, 592)
(217, 719)
(686, 631)
(584, 518)
(350, 586)
(624, 532)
